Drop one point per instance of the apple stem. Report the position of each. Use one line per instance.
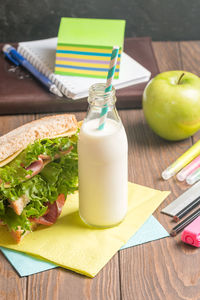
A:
(179, 81)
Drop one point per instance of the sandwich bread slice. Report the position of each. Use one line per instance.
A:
(38, 169)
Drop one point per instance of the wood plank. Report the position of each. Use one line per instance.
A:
(79, 115)
(150, 271)
(167, 55)
(190, 53)
(61, 284)
(8, 123)
(149, 155)
(160, 270)
(11, 285)
(156, 270)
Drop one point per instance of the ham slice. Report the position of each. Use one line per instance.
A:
(58, 155)
(36, 167)
(53, 212)
(62, 153)
(43, 159)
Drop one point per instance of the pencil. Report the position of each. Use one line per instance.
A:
(185, 222)
(186, 209)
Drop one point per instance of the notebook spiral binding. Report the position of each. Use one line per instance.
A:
(39, 64)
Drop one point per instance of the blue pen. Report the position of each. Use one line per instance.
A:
(14, 56)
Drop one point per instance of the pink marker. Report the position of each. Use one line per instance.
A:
(191, 233)
(195, 164)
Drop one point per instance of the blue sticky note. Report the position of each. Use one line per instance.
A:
(26, 265)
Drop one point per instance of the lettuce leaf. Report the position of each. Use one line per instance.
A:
(15, 172)
(59, 176)
(49, 147)
(14, 221)
(2, 208)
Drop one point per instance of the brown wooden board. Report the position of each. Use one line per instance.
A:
(164, 269)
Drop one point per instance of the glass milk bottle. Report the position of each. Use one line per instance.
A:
(103, 160)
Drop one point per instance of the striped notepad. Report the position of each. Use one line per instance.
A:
(41, 54)
(85, 45)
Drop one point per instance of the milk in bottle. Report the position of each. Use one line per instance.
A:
(103, 174)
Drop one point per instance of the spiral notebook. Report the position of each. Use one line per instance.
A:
(41, 54)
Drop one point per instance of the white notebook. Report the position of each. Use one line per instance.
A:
(41, 54)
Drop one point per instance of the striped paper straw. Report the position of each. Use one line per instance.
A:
(111, 73)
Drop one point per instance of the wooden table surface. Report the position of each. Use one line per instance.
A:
(163, 269)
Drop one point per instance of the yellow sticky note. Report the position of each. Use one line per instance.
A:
(69, 243)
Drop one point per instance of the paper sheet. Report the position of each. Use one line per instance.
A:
(26, 265)
(71, 244)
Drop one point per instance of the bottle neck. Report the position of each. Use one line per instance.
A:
(98, 99)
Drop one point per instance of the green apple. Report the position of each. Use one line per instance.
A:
(171, 104)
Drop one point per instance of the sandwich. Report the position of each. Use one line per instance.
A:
(38, 169)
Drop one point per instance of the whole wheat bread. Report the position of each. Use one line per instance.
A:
(47, 127)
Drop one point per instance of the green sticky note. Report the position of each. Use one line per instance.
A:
(85, 45)
(91, 32)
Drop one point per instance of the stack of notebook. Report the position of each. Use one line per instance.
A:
(21, 93)
(41, 54)
(85, 45)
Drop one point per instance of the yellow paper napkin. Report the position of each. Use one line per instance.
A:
(71, 244)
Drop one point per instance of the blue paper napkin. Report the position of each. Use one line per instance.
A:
(27, 265)
(151, 230)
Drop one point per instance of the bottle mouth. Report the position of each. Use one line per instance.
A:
(98, 97)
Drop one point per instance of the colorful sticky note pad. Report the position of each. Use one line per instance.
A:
(85, 45)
